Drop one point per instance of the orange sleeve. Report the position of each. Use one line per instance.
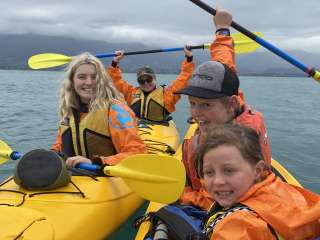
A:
(170, 99)
(254, 119)
(194, 192)
(222, 50)
(242, 225)
(57, 146)
(122, 85)
(196, 198)
(124, 134)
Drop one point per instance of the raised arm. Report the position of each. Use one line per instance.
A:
(187, 67)
(116, 75)
(222, 48)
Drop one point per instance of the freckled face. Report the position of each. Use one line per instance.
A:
(208, 112)
(84, 81)
(227, 175)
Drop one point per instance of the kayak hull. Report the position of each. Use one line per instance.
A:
(70, 215)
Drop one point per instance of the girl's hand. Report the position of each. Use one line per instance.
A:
(73, 161)
(119, 55)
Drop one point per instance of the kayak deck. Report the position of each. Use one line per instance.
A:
(159, 138)
(69, 213)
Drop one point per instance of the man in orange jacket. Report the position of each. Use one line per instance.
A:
(149, 101)
(213, 94)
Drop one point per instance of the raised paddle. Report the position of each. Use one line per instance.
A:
(309, 70)
(243, 45)
(158, 178)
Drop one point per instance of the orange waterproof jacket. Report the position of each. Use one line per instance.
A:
(123, 132)
(222, 50)
(293, 212)
(194, 192)
(169, 98)
(254, 119)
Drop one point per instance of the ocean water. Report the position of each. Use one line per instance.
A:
(29, 107)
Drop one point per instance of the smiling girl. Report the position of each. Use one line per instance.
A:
(96, 125)
(250, 201)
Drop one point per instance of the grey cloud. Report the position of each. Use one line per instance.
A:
(290, 24)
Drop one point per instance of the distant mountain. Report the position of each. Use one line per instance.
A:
(16, 49)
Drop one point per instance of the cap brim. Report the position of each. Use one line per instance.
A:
(200, 92)
(146, 74)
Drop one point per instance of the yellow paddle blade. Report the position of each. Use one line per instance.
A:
(5, 152)
(158, 178)
(47, 60)
(244, 44)
(316, 76)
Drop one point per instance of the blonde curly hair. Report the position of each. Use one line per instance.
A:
(105, 90)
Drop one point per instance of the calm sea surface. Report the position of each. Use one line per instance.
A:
(290, 105)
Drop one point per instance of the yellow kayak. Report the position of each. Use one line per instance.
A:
(153, 206)
(159, 137)
(87, 208)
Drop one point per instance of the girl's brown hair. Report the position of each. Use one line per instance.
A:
(245, 139)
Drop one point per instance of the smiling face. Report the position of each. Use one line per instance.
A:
(209, 112)
(147, 83)
(227, 175)
(84, 82)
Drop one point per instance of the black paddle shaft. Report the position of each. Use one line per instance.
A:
(309, 70)
(233, 24)
(162, 50)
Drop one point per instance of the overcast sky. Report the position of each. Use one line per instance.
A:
(288, 24)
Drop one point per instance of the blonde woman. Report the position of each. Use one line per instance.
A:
(96, 125)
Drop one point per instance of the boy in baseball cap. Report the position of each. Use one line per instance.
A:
(213, 94)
